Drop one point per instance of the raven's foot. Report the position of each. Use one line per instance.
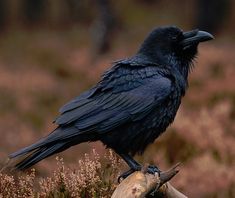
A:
(152, 169)
(127, 173)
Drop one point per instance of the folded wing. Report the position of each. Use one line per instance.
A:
(124, 95)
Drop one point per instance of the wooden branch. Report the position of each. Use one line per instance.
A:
(141, 184)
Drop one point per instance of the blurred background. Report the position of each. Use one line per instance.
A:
(51, 51)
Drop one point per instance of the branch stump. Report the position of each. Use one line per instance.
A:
(141, 184)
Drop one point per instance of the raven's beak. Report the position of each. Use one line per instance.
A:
(194, 37)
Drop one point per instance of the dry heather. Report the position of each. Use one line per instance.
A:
(92, 177)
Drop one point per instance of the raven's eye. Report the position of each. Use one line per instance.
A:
(176, 38)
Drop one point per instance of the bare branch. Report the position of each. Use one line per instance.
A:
(141, 184)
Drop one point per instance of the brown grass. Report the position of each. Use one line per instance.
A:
(90, 178)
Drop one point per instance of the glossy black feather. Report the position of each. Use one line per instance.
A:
(134, 102)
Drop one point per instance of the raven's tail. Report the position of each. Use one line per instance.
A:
(29, 159)
(52, 144)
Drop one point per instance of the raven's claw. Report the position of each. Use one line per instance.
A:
(152, 169)
(125, 175)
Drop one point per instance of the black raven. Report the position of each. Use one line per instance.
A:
(133, 103)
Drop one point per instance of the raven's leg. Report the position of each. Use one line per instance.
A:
(131, 162)
(134, 166)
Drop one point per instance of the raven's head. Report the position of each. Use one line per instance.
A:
(169, 45)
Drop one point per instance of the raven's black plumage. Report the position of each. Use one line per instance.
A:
(134, 102)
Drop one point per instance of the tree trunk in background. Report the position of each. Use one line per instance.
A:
(103, 28)
(3, 11)
(33, 11)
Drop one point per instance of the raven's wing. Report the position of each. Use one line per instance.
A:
(125, 94)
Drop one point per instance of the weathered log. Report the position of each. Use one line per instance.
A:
(141, 184)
